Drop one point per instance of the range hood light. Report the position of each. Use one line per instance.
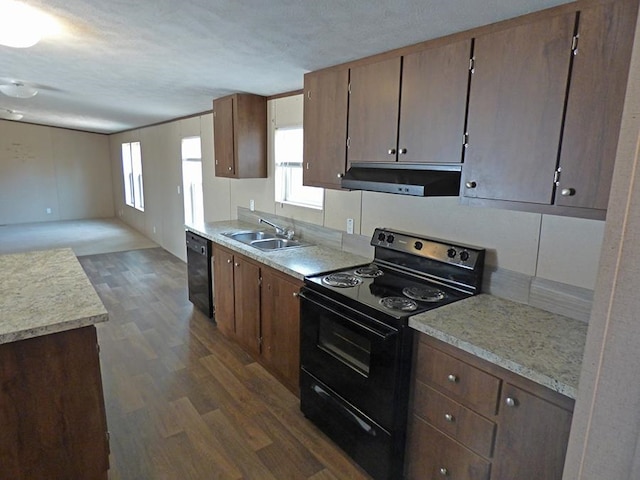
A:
(6, 114)
(18, 90)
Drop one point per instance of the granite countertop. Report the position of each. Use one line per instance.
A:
(297, 262)
(541, 346)
(45, 292)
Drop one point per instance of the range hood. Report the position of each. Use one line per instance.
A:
(417, 179)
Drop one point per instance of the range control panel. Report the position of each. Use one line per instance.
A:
(436, 249)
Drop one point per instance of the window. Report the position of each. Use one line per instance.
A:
(192, 180)
(288, 156)
(132, 175)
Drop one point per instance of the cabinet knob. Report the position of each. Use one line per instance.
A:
(229, 168)
(296, 294)
(449, 418)
(511, 402)
(340, 175)
(452, 378)
(568, 192)
(402, 151)
(444, 472)
(228, 260)
(471, 184)
(237, 264)
(392, 151)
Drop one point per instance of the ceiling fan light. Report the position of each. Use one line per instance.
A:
(6, 114)
(18, 90)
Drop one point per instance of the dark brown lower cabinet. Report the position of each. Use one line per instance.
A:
(525, 437)
(52, 416)
(259, 308)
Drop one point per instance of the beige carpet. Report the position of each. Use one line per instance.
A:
(85, 237)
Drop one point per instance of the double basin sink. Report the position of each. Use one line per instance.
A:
(265, 240)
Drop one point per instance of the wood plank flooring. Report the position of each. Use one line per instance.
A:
(183, 402)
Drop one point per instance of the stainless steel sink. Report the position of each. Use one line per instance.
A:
(265, 240)
(248, 237)
(276, 243)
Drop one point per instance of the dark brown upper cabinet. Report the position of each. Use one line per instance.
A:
(516, 107)
(373, 112)
(410, 109)
(433, 104)
(326, 99)
(595, 103)
(240, 136)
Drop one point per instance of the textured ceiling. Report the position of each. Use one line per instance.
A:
(125, 63)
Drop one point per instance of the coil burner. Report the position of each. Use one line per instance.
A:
(424, 293)
(368, 271)
(341, 280)
(403, 304)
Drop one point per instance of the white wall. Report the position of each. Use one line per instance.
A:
(46, 167)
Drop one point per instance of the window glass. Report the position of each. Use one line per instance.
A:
(192, 180)
(132, 175)
(288, 146)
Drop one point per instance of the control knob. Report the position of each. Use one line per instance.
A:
(390, 238)
(464, 256)
(451, 253)
(418, 245)
(381, 237)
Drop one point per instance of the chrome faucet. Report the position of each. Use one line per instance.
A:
(279, 230)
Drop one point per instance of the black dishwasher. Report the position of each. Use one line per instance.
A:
(199, 273)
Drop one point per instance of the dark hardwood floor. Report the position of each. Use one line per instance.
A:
(183, 402)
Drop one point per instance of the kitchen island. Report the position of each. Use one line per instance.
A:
(51, 401)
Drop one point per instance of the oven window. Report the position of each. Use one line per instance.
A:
(350, 348)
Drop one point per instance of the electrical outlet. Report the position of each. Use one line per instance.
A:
(154, 229)
(178, 189)
(350, 226)
(48, 211)
(252, 205)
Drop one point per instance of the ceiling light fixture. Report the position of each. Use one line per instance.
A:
(22, 26)
(6, 114)
(18, 90)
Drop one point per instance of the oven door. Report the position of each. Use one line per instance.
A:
(353, 354)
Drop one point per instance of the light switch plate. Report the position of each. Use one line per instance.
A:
(350, 226)
(252, 205)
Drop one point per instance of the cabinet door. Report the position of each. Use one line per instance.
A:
(433, 104)
(516, 106)
(325, 127)
(432, 455)
(281, 326)
(223, 290)
(373, 112)
(223, 136)
(594, 109)
(246, 281)
(532, 437)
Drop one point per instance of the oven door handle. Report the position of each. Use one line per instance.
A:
(364, 426)
(382, 335)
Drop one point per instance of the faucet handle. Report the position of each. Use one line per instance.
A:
(289, 233)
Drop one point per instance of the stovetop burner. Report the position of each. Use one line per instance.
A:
(424, 293)
(403, 304)
(369, 271)
(341, 280)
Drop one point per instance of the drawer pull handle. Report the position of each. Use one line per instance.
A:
(449, 418)
(452, 378)
(444, 472)
(511, 402)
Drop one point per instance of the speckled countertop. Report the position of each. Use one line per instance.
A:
(297, 262)
(45, 292)
(541, 346)
(538, 345)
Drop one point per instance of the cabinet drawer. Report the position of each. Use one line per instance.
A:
(466, 426)
(469, 385)
(433, 455)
